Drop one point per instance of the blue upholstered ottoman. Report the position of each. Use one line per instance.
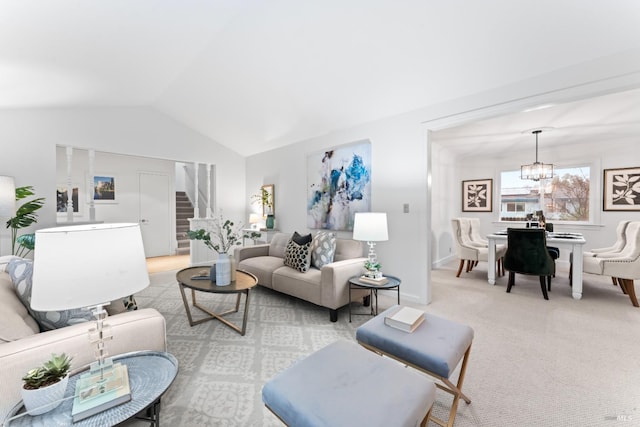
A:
(344, 385)
(436, 347)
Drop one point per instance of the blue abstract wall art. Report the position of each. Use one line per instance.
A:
(338, 186)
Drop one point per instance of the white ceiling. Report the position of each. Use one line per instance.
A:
(609, 117)
(258, 74)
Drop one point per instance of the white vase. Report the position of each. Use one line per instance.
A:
(44, 399)
(223, 270)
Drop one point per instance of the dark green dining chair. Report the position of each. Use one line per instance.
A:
(527, 253)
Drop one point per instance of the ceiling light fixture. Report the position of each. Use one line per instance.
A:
(536, 171)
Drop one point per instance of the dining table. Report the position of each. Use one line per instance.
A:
(574, 241)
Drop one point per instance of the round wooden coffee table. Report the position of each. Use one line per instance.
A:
(242, 285)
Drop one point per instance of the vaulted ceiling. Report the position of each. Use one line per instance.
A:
(259, 74)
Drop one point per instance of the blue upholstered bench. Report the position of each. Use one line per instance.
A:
(344, 385)
(436, 347)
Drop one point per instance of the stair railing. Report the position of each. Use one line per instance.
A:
(194, 189)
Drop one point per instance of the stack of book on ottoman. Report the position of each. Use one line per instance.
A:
(406, 319)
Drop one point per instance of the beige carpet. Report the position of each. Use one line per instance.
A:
(561, 362)
(533, 362)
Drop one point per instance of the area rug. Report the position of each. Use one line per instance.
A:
(221, 373)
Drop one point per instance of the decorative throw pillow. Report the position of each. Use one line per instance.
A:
(298, 256)
(323, 248)
(300, 239)
(21, 272)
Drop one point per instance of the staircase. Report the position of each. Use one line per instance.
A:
(184, 211)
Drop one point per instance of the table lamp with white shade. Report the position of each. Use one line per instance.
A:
(254, 220)
(371, 227)
(88, 265)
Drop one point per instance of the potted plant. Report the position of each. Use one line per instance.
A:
(44, 386)
(25, 216)
(372, 269)
(226, 235)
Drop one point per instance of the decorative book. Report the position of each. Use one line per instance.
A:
(406, 319)
(381, 281)
(95, 394)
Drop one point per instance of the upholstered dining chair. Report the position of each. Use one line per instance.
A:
(527, 253)
(607, 252)
(623, 266)
(621, 240)
(474, 233)
(469, 253)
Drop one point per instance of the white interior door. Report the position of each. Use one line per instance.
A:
(155, 213)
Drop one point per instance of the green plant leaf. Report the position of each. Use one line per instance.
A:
(25, 215)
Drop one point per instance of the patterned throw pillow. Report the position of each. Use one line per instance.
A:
(21, 272)
(300, 239)
(298, 256)
(323, 248)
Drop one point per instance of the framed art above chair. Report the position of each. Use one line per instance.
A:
(621, 189)
(477, 195)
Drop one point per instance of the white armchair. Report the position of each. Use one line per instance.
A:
(617, 247)
(622, 266)
(467, 251)
(474, 233)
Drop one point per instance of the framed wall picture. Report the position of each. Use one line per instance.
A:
(621, 189)
(477, 195)
(268, 200)
(338, 185)
(104, 188)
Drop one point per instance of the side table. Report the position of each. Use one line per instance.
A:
(150, 375)
(356, 283)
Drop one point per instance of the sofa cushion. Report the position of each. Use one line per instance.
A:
(298, 256)
(323, 248)
(300, 285)
(262, 267)
(21, 272)
(15, 320)
(278, 244)
(348, 249)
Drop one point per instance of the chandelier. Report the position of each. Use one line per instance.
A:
(537, 170)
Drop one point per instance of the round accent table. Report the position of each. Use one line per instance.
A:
(150, 375)
(356, 283)
(242, 285)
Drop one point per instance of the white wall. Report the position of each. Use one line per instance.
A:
(399, 176)
(125, 168)
(29, 139)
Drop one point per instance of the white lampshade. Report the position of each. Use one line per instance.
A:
(86, 265)
(370, 226)
(254, 218)
(7, 197)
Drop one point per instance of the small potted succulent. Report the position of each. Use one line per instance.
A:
(373, 269)
(44, 386)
